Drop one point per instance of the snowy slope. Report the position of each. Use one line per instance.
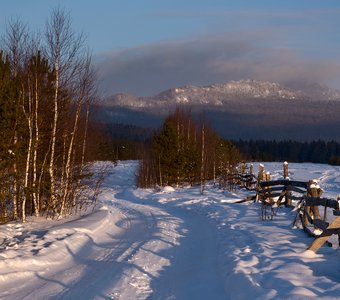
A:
(170, 244)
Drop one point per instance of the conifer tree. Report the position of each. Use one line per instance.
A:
(184, 152)
(9, 90)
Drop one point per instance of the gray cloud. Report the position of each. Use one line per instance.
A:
(150, 69)
(287, 14)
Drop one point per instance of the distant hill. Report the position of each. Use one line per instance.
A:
(223, 94)
(238, 109)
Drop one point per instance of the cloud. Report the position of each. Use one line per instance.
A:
(150, 69)
(259, 13)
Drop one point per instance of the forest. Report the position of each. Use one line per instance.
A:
(186, 151)
(47, 85)
(126, 141)
(293, 151)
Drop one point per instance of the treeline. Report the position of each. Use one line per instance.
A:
(47, 85)
(292, 151)
(129, 132)
(121, 141)
(185, 151)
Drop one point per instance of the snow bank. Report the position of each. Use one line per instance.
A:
(173, 244)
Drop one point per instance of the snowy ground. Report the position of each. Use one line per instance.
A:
(171, 244)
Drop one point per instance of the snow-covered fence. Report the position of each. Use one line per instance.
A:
(247, 181)
(282, 189)
(307, 196)
(244, 178)
(309, 206)
(274, 193)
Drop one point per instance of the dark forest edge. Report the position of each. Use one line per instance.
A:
(124, 142)
(287, 150)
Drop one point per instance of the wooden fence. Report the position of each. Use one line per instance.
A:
(307, 200)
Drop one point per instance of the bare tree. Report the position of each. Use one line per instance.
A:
(63, 49)
(83, 92)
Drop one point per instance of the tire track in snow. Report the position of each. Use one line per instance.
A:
(194, 271)
(109, 267)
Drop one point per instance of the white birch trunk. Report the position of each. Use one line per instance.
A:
(15, 183)
(36, 199)
(202, 159)
(69, 157)
(85, 136)
(29, 150)
(54, 132)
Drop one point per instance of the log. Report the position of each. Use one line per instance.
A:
(272, 189)
(291, 188)
(314, 201)
(273, 183)
(331, 229)
(320, 224)
(301, 184)
(284, 182)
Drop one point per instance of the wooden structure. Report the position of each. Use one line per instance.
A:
(279, 192)
(333, 228)
(244, 178)
(328, 229)
(306, 196)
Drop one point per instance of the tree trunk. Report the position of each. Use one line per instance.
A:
(36, 192)
(202, 160)
(54, 134)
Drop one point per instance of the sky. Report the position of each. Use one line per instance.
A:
(143, 47)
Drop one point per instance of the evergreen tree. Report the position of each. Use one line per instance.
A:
(9, 93)
(184, 152)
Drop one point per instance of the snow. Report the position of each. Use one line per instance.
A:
(172, 243)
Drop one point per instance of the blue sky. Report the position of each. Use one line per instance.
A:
(145, 46)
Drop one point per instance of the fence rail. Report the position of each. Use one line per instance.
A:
(274, 193)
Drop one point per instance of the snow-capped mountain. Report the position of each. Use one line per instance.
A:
(237, 109)
(221, 94)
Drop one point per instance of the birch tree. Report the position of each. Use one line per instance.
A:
(83, 93)
(63, 49)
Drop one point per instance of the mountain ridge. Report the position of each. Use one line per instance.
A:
(222, 94)
(245, 109)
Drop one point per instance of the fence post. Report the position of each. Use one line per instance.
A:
(260, 177)
(250, 178)
(288, 202)
(267, 178)
(285, 170)
(314, 191)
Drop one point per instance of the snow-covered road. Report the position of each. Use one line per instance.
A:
(170, 244)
